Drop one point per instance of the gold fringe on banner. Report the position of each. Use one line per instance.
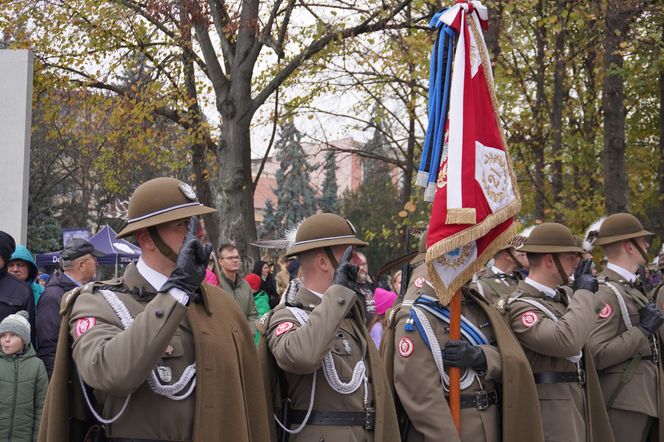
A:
(461, 216)
(444, 293)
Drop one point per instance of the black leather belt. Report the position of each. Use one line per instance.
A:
(131, 439)
(366, 419)
(480, 400)
(557, 377)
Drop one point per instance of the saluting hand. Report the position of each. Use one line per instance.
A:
(346, 273)
(191, 263)
(583, 277)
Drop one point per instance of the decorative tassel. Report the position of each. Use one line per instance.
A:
(430, 192)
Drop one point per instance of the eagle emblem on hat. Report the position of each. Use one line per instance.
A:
(187, 191)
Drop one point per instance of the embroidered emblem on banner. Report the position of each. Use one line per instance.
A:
(419, 282)
(529, 319)
(606, 311)
(84, 324)
(283, 328)
(406, 347)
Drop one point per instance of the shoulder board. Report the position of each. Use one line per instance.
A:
(391, 315)
(89, 289)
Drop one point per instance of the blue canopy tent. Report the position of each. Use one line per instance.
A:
(116, 251)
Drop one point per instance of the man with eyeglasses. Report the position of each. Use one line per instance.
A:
(624, 342)
(231, 282)
(78, 261)
(553, 323)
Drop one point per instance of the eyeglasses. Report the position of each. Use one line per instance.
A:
(232, 258)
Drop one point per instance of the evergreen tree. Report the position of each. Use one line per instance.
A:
(271, 228)
(296, 198)
(328, 202)
(373, 206)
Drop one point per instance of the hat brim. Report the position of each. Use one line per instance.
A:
(97, 254)
(313, 245)
(183, 212)
(616, 238)
(548, 249)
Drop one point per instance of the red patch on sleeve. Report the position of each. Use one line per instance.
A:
(406, 347)
(283, 328)
(529, 319)
(84, 324)
(606, 311)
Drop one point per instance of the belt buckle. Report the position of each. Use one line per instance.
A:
(368, 422)
(582, 376)
(481, 400)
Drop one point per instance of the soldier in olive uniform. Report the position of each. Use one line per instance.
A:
(500, 279)
(163, 356)
(336, 384)
(487, 348)
(553, 330)
(624, 340)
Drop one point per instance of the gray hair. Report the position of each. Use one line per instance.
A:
(70, 263)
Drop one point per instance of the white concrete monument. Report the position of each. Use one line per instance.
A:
(15, 124)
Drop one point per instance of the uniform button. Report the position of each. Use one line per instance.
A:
(159, 313)
(341, 301)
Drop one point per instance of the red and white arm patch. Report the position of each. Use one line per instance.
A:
(606, 311)
(406, 347)
(282, 328)
(528, 319)
(84, 324)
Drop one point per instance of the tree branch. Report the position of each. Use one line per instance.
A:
(318, 45)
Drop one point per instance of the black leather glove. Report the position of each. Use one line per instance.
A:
(462, 354)
(583, 277)
(346, 273)
(191, 263)
(650, 319)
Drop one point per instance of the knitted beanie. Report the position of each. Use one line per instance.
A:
(384, 300)
(17, 324)
(254, 281)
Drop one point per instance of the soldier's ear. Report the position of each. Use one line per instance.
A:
(144, 239)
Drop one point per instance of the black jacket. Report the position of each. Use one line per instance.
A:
(16, 295)
(48, 318)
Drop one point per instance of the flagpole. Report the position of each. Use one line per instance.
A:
(455, 372)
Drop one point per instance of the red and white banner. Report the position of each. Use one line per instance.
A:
(476, 194)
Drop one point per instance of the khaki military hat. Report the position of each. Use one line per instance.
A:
(618, 227)
(324, 230)
(550, 238)
(159, 201)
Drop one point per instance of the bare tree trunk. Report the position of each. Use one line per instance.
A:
(492, 36)
(235, 196)
(661, 151)
(616, 197)
(558, 102)
(538, 111)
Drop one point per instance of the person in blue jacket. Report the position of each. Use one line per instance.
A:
(22, 265)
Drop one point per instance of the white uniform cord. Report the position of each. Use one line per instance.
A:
(331, 376)
(170, 391)
(623, 307)
(469, 374)
(94, 412)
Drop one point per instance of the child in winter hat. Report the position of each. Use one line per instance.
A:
(18, 325)
(23, 381)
